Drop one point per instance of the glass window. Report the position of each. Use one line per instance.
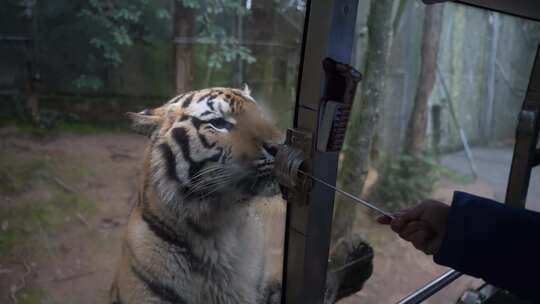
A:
(70, 70)
(471, 94)
(69, 164)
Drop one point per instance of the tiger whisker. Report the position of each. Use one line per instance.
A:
(208, 170)
(211, 175)
(216, 182)
(208, 176)
(213, 191)
(210, 179)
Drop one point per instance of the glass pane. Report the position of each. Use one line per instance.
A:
(70, 164)
(479, 80)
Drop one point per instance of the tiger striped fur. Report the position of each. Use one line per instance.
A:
(192, 237)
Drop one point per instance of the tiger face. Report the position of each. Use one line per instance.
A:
(210, 143)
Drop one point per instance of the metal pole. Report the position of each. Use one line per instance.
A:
(431, 288)
(455, 119)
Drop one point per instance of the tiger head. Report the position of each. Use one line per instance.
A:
(212, 143)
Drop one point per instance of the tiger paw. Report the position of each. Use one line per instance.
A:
(352, 264)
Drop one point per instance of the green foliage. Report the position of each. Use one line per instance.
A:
(79, 44)
(125, 47)
(404, 181)
(227, 47)
(117, 25)
(227, 51)
(121, 24)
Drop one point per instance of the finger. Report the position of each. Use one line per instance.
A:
(420, 240)
(414, 213)
(411, 228)
(404, 216)
(397, 224)
(384, 219)
(401, 212)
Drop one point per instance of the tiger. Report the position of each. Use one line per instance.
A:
(193, 235)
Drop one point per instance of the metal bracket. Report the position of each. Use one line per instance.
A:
(290, 159)
(341, 81)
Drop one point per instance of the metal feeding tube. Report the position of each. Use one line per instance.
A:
(289, 167)
(350, 196)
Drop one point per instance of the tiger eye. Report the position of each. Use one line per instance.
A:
(221, 123)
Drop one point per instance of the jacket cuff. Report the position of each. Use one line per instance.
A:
(453, 246)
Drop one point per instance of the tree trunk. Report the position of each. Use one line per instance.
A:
(184, 29)
(365, 115)
(416, 130)
(487, 126)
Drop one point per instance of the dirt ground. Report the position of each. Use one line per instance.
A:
(71, 261)
(64, 203)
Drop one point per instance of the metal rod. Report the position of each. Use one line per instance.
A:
(431, 288)
(349, 196)
(456, 121)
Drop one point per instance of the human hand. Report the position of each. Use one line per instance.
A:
(424, 225)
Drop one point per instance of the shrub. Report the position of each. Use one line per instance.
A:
(404, 181)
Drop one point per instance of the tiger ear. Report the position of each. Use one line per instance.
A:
(247, 90)
(146, 121)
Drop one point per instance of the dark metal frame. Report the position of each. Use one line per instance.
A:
(308, 223)
(526, 154)
(328, 33)
(529, 9)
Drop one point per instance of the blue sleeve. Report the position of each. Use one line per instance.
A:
(495, 242)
